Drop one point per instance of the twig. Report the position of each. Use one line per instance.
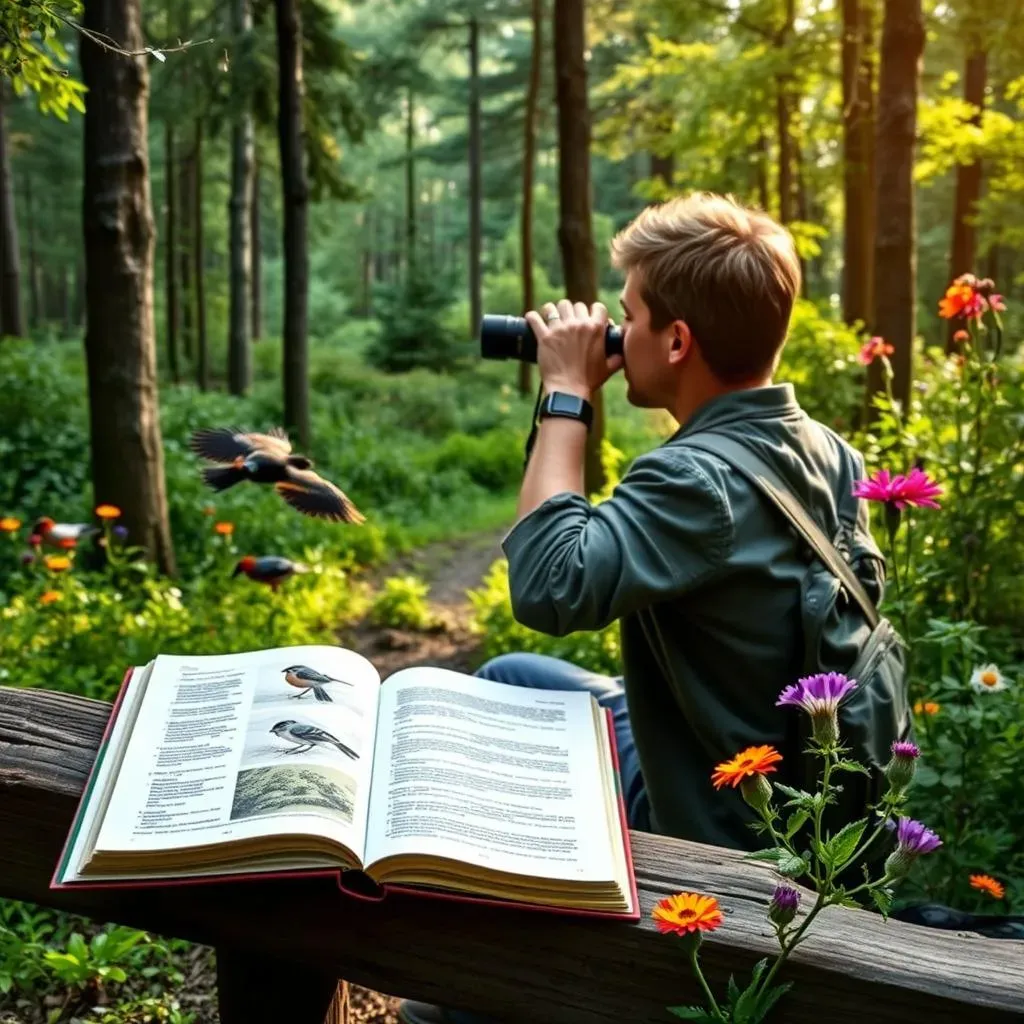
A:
(109, 44)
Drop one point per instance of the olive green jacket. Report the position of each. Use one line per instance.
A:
(704, 576)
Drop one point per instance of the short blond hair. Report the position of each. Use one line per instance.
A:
(730, 272)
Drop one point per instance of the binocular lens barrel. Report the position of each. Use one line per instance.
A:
(511, 337)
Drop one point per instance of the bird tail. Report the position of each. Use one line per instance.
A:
(346, 750)
(322, 695)
(220, 478)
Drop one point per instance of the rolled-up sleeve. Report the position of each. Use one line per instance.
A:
(574, 566)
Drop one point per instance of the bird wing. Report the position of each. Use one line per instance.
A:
(311, 732)
(224, 444)
(273, 565)
(311, 675)
(310, 493)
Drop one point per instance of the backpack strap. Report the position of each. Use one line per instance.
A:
(767, 481)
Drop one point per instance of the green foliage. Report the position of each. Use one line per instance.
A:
(402, 604)
(147, 1010)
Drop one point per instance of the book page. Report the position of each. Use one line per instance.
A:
(237, 746)
(498, 776)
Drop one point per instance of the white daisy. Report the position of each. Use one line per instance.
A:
(987, 679)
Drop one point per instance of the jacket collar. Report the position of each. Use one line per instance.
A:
(773, 401)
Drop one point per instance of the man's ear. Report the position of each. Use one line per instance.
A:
(682, 342)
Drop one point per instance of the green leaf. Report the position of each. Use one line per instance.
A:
(733, 990)
(838, 850)
(796, 821)
(769, 998)
(77, 947)
(792, 866)
(772, 854)
(691, 1013)
(798, 796)
(850, 766)
(744, 1009)
(883, 900)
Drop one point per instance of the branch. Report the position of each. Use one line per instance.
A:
(111, 46)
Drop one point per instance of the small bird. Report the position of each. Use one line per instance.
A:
(306, 679)
(62, 536)
(270, 569)
(305, 737)
(268, 459)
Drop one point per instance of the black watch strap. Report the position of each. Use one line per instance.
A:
(558, 403)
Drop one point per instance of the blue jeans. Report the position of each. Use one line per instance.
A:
(545, 673)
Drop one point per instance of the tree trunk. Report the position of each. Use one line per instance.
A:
(895, 227)
(198, 265)
(366, 221)
(66, 312)
(784, 117)
(35, 283)
(171, 254)
(575, 232)
(257, 253)
(410, 188)
(663, 167)
(858, 172)
(186, 242)
(475, 194)
(120, 347)
(968, 184)
(12, 321)
(240, 214)
(295, 194)
(529, 156)
(762, 172)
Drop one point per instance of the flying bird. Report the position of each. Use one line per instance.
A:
(270, 569)
(305, 737)
(304, 678)
(269, 459)
(62, 535)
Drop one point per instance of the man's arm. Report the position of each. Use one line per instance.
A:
(556, 463)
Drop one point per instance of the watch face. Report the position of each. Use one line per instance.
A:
(566, 404)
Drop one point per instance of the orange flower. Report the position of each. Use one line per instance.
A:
(209, 510)
(961, 335)
(985, 883)
(926, 707)
(224, 529)
(9, 524)
(108, 512)
(687, 912)
(749, 762)
(57, 563)
(49, 597)
(957, 298)
(67, 543)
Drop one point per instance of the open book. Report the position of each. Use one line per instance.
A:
(299, 759)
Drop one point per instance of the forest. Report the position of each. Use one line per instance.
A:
(294, 213)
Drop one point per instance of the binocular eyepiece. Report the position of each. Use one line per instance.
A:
(511, 337)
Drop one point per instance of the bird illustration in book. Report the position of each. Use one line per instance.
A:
(62, 536)
(308, 680)
(306, 737)
(269, 459)
(272, 570)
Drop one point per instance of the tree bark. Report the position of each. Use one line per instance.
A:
(295, 190)
(858, 171)
(12, 320)
(783, 117)
(410, 188)
(257, 253)
(35, 283)
(575, 231)
(968, 183)
(895, 225)
(475, 191)
(120, 347)
(186, 242)
(65, 302)
(663, 167)
(171, 253)
(240, 215)
(198, 265)
(529, 157)
(762, 172)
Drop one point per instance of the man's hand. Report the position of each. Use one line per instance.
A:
(571, 347)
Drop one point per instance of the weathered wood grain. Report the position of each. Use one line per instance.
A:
(515, 965)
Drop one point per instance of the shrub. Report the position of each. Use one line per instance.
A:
(402, 604)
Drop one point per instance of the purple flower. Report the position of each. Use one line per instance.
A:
(782, 908)
(914, 839)
(120, 532)
(900, 770)
(819, 696)
(906, 750)
(27, 558)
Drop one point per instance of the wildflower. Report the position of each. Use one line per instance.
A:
(916, 488)
(8, 524)
(224, 529)
(927, 707)
(986, 883)
(49, 597)
(120, 532)
(782, 908)
(872, 349)
(687, 912)
(57, 563)
(819, 696)
(961, 335)
(108, 512)
(914, 839)
(209, 510)
(748, 764)
(900, 770)
(963, 298)
(67, 543)
(997, 304)
(987, 679)
(35, 540)
(27, 557)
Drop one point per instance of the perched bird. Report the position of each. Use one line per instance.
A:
(304, 678)
(62, 535)
(305, 737)
(268, 459)
(270, 569)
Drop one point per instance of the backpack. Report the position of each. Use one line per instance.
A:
(842, 632)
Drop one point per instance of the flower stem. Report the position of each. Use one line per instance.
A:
(703, 983)
(793, 942)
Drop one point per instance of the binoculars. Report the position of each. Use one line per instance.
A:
(511, 337)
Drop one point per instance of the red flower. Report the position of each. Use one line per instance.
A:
(872, 349)
(916, 488)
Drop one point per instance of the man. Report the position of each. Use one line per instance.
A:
(700, 569)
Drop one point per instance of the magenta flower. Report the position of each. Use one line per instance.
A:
(872, 349)
(913, 839)
(819, 696)
(900, 770)
(916, 488)
(996, 303)
(782, 908)
(906, 750)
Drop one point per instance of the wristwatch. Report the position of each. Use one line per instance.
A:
(558, 403)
